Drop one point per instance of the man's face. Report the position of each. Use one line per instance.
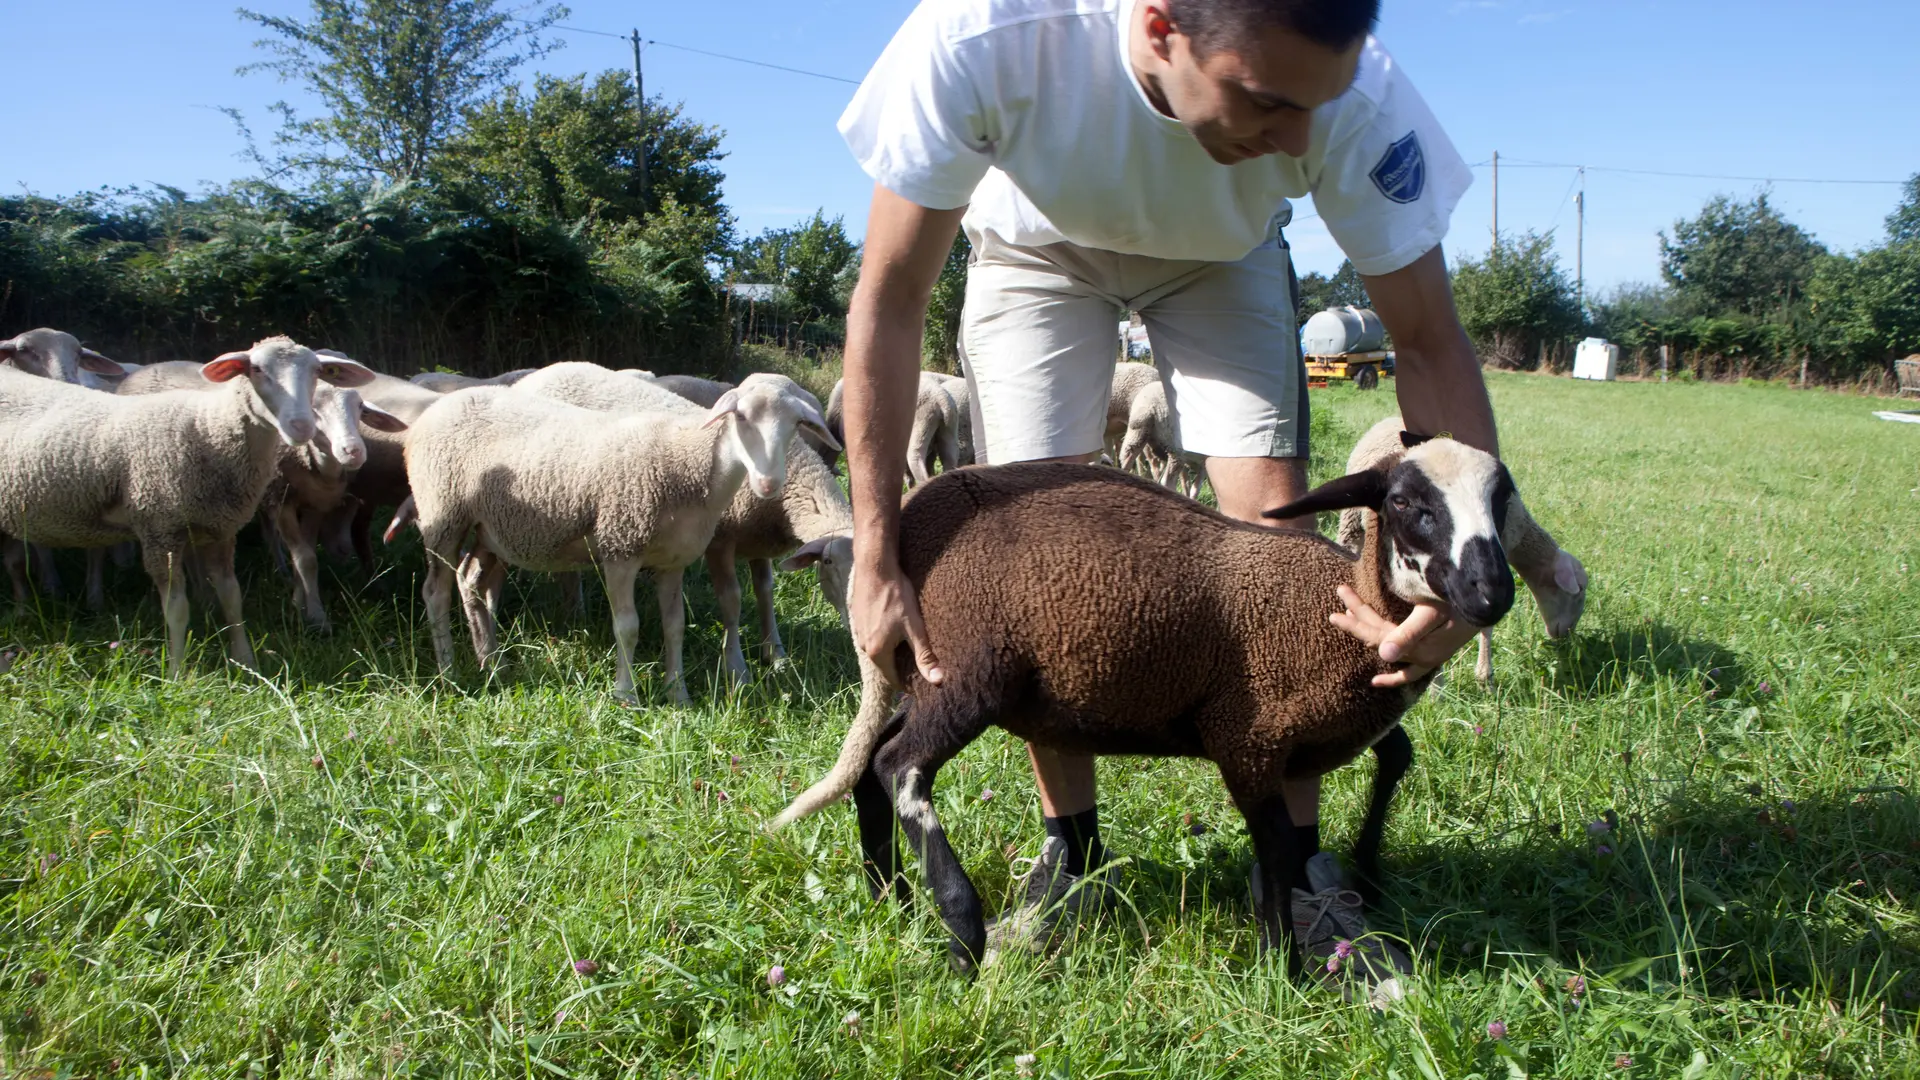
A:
(1243, 103)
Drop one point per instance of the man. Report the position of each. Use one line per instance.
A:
(1106, 155)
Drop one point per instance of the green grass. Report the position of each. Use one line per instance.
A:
(349, 868)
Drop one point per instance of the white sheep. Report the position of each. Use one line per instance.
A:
(175, 471)
(445, 382)
(58, 355)
(942, 429)
(1129, 378)
(550, 486)
(1556, 579)
(1151, 444)
(811, 515)
(702, 392)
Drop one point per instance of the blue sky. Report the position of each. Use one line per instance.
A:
(118, 93)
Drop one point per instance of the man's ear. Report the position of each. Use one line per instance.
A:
(1366, 488)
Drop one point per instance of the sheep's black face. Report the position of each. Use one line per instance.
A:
(1443, 509)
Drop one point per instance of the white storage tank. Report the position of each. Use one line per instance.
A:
(1597, 359)
(1343, 330)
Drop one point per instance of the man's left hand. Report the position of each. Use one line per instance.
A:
(1421, 644)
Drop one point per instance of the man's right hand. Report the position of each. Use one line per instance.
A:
(884, 611)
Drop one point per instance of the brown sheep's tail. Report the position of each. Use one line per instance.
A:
(402, 514)
(863, 737)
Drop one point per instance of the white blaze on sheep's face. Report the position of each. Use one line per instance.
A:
(1444, 507)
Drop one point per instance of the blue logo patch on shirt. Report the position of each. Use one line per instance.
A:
(1402, 172)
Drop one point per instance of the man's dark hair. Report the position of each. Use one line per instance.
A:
(1225, 24)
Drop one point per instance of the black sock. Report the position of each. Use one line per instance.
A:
(1306, 844)
(1081, 832)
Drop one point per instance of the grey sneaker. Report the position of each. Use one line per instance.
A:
(1330, 929)
(1053, 901)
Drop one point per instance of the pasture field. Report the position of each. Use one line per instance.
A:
(1682, 844)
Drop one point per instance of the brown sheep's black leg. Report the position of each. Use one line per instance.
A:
(882, 861)
(933, 733)
(1273, 846)
(1394, 755)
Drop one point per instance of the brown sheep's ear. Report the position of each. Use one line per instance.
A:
(227, 366)
(1409, 440)
(1367, 488)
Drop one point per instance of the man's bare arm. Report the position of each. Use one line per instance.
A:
(905, 248)
(1436, 373)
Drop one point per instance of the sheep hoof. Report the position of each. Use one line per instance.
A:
(627, 697)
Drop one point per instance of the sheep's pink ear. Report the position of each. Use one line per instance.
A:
(227, 366)
(810, 553)
(380, 419)
(340, 371)
(729, 403)
(100, 365)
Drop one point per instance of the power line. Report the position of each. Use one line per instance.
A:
(1522, 164)
(706, 52)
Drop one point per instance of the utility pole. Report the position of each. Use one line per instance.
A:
(1580, 242)
(640, 111)
(1496, 202)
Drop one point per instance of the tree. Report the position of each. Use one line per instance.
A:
(396, 77)
(566, 153)
(1516, 299)
(812, 259)
(940, 343)
(1903, 224)
(1319, 292)
(1738, 257)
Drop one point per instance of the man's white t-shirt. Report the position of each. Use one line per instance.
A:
(1028, 113)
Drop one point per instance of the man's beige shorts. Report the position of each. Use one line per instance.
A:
(1039, 343)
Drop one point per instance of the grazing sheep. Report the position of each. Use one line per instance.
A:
(941, 433)
(1091, 612)
(1557, 580)
(175, 471)
(812, 514)
(1129, 378)
(1152, 446)
(551, 486)
(58, 355)
(702, 392)
(444, 382)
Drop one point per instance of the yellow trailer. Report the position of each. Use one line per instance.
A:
(1362, 368)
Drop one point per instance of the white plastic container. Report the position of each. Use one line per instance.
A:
(1597, 359)
(1340, 330)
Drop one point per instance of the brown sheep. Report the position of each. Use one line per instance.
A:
(1091, 612)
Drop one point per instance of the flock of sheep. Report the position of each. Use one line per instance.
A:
(1194, 635)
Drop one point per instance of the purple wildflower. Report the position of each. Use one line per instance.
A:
(1599, 828)
(1765, 688)
(559, 800)
(776, 975)
(1496, 1030)
(585, 967)
(1576, 985)
(987, 795)
(1602, 850)
(1624, 1061)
